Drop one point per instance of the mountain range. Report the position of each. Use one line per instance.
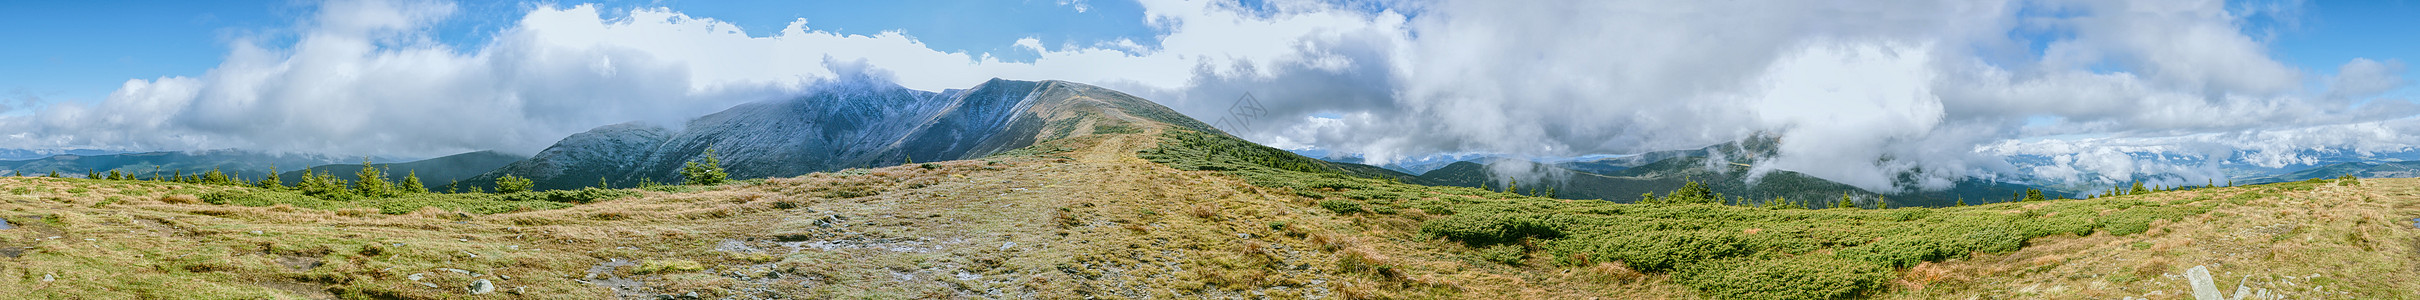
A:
(869, 122)
(856, 124)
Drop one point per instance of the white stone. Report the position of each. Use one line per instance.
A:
(482, 287)
(2203, 287)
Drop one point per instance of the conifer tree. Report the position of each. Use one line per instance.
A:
(1844, 201)
(270, 182)
(411, 183)
(115, 175)
(1961, 201)
(324, 185)
(1882, 202)
(371, 182)
(54, 173)
(2033, 195)
(213, 177)
(709, 172)
(2138, 189)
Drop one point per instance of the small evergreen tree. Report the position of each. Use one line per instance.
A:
(115, 175)
(324, 185)
(1844, 201)
(2138, 189)
(2033, 195)
(709, 172)
(89, 174)
(411, 183)
(214, 177)
(1961, 201)
(54, 173)
(512, 184)
(371, 182)
(270, 182)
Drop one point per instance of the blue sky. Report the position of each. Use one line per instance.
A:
(1950, 87)
(82, 50)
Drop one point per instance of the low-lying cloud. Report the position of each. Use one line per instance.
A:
(1861, 92)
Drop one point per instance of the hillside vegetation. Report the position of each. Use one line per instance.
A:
(1127, 208)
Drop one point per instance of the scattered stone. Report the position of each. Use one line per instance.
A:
(463, 272)
(47, 278)
(257, 232)
(430, 285)
(2203, 287)
(4, 224)
(416, 276)
(1006, 246)
(482, 287)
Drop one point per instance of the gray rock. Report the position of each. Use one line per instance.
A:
(482, 287)
(4, 224)
(2203, 287)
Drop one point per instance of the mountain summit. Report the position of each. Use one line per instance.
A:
(855, 124)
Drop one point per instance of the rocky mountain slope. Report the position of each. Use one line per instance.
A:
(845, 125)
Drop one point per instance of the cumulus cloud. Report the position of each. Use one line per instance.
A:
(1889, 95)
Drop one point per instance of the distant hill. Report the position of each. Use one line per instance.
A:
(845, 125)
(250, 164)
(434, 173)
(30, 154)
(1664, 176)
(2366, 169)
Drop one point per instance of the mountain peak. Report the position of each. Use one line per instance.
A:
(858, 124)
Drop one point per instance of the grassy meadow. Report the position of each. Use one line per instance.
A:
(1160, 212)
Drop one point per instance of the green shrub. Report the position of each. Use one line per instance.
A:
(267, 198)
(1489, 228)
(512, 184)
(579, 196)
(1801, 277)
(1341, 207)
(1657, 251)
(471, 203)
(2137, 220)
(1509, 254)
